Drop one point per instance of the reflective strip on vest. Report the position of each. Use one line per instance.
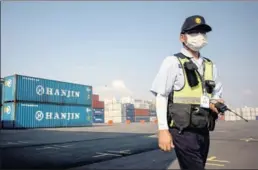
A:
(187, 100)
(192, 95)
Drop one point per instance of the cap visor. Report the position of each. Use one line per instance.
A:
(203, 27)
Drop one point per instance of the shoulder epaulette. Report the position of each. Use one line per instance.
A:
(207, 59)
(180, 55)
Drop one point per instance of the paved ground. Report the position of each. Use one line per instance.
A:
(234, 145)
(38, 137)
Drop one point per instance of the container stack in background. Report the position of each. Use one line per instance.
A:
(30, 102)
(98, 109)
(246, 113)
(256, 113)
(128, 112)
(142, 111)
(119, 113)
(1, 101)
(127, 108)
(153, 114)
(252, 114)
(229, 116)
(238, 111)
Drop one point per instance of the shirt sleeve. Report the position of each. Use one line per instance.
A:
(217, 92)
(161, 110)
(166, 76)
(162, 87)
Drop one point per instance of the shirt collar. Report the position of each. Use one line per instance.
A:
(187, 53)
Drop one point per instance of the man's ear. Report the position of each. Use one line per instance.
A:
(182, 38)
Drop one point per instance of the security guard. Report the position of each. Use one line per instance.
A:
(186, 89)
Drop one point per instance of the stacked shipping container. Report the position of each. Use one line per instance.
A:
(119, 113)
(31, 102)
(98, 109)
(128, 112)
(142, 111)
(153, 114)
(1, 101)
(247, 113)
(256, 113)
(127, 100)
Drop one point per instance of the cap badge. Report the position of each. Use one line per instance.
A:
(198, 20)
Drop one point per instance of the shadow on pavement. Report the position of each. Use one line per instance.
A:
(71, 147)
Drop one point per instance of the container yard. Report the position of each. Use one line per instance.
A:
(68, 129)
(58, 99)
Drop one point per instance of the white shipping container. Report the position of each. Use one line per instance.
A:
(110, 101)
(113, 111)
(246, 111)
(256, 111)
(138, 101)
(115, 119)
(152, 101)
(113, 107)
(116, 112)
(238, 118)
(141, 106)
(153, 118)
(238, 111)
(233, 118)
(246, 115)
(252, 110)
(127, 100)
(227, 116)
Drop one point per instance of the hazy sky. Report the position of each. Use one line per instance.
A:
(117, 47)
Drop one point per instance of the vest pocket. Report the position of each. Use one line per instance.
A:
(180, 114)
(199, 117)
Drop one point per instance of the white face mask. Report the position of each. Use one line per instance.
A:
(196, 41)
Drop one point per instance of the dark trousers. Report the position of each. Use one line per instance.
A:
(191, 147)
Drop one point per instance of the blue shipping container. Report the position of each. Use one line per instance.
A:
(38, 115)
(131, 118)
(153, 113)
(98, 118)
(98, 111)
(139, 118)
(1, 102)
(128, 106)
(129, 113)
(1, 93)
(31, 89)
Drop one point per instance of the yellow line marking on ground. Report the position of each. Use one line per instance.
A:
(222, 131)
(214, 164)
(213, 159)
(220, 161)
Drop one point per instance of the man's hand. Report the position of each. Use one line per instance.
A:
(212, 105)
(165, 140)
